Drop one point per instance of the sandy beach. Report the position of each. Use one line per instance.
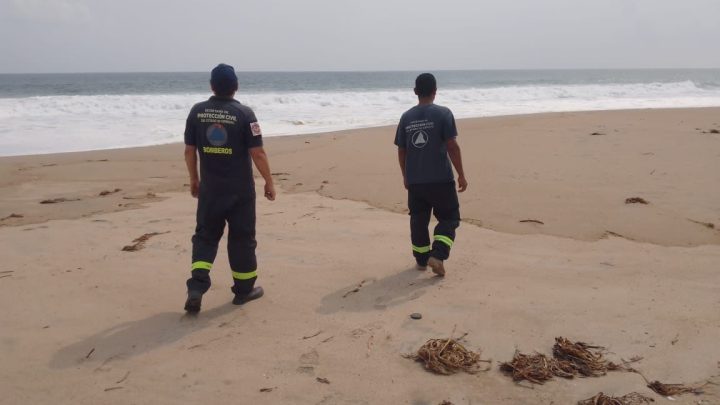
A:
(549, 246)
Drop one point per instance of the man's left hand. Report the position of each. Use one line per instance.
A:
(194, 188)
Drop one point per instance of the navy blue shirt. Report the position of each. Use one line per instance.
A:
(423, 132)
(223, 130)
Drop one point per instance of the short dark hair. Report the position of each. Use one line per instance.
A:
(425, 85)
(223, 80)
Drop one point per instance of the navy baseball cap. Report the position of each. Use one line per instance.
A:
(223, 78)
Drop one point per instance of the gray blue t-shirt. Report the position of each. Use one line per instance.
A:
(423, 131)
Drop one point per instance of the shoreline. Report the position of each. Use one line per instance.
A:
(572, 182)
(322, 133)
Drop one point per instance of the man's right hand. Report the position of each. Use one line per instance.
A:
(462, 184)
(270, 191)
(194, 188)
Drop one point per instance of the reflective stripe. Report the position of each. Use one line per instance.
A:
(244, 276)
(444, 239)
(202, 265)
(421, 249)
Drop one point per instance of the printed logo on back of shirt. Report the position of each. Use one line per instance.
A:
(420, 139)
(216, 135)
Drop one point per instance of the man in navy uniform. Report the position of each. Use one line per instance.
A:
(426, 141)
(227, 137)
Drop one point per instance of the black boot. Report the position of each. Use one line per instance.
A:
(193, 303)
(254, 294)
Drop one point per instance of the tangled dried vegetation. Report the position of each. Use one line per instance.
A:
(630, 399)
(569, 360)
(447, 356)
(667, 390)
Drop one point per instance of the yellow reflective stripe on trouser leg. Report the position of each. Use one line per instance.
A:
(201, 265)
(421, 249)
(244, 276)
(444, 239)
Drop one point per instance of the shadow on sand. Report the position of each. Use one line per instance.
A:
(134, 338)
(376, 295)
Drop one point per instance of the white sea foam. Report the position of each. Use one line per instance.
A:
(49, 124)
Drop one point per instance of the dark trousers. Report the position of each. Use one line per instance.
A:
(441, 200)
(214, 209)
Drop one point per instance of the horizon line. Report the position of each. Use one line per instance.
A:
(367, 71)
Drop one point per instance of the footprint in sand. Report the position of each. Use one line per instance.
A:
(308, 361)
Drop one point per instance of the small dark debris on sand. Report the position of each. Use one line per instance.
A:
(356, 289)
(267, 389)
(597, 133)
(712, 131)
(312, 336)
(11, 216)
(534, 221)
(58, 200)
(322, 380)
(708, 225)
(636, 200)
(280, 174)
(615, 234)
(108, 192)
(113, 388)
(139, 242)
(668, 390)
(633, 398)
(447, 356)
(87, 356)
(445, 403)
(147, 195)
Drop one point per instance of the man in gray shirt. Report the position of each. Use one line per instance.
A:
(426, 141)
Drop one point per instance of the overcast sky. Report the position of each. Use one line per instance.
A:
(194, 35)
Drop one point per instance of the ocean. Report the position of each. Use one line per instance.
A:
(47, 113)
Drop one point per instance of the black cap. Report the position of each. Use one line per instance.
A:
(223, 79)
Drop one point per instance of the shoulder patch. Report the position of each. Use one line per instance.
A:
(255, 129)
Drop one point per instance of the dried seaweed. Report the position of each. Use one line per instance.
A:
(536, 368)
(447, 356)
(139, 242)
(667, 390)
(586, 360)
(569, 359)
(630, 399)
(534, 221)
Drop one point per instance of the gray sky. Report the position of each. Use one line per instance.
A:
(193, 35)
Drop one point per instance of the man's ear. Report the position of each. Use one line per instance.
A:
(416, 91)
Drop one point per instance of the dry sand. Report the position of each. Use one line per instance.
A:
(84, 322)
